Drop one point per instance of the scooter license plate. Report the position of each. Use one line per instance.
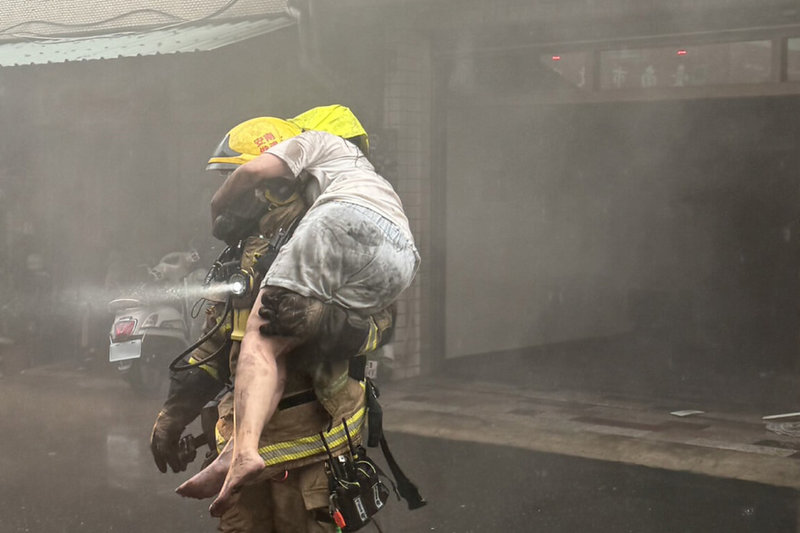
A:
(122, 351)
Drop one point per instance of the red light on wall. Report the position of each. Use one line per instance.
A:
(556, 58)
(682, 52)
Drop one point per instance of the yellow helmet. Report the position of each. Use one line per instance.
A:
(248, 140)
(336, 119)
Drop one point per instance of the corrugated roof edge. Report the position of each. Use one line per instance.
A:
(170, 39)
(46, 18)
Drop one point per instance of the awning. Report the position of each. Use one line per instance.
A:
(172, 40)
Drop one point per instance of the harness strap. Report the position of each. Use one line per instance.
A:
(297, 399)
(406, 489)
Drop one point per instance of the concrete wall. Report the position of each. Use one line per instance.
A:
(407, 112)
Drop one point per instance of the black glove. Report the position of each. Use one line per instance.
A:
(189, 391)
(288, 314)
(164, 442)
(327, 331)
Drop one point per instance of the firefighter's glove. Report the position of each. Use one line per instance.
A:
(270, 316)
(327, 331)
(189, 391)
(164, 442)
(288, 314)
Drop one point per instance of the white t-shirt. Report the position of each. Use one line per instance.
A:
(343, 173)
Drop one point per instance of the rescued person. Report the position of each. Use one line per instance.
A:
(353, 251)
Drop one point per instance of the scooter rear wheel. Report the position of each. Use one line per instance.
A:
(149, 378)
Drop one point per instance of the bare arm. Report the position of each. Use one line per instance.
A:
(260, 378)
(247, 177)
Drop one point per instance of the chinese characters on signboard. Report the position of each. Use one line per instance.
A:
(703, 64)
(571, 66)
(745, 62)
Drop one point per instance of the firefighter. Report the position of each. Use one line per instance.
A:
(352, 253)
(292, 492)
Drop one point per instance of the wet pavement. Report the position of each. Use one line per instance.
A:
(487, 456)
(483, 488)
(74, 457)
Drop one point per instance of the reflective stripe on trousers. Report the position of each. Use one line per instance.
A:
(283, 452)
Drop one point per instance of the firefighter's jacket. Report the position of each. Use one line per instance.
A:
(294, 435)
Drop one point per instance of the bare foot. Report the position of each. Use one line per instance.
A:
(244, 467)
(209, 480)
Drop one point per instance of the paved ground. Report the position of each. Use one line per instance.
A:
(734, 445)
(488, 456)
(478, 488)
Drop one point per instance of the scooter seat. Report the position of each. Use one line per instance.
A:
(123, 303)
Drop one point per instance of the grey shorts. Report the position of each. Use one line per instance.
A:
(348, 255)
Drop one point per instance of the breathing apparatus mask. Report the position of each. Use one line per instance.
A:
(241, 219)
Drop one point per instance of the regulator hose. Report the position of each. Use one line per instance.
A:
(177, 366)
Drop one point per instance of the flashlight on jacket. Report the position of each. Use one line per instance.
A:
(240, 283)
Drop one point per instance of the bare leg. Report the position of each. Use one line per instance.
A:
(260, 380)
(208, 481)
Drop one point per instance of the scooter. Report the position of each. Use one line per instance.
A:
(156, 322)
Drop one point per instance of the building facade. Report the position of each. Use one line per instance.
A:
(572, 170)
